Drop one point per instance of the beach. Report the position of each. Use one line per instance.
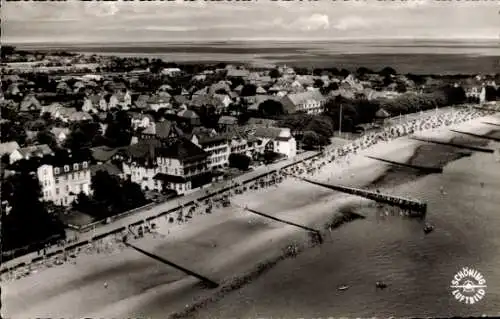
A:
(231, 242)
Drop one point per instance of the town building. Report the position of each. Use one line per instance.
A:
(310, 102)
(214, 144)
(63, 180)
(8, 148)
(275, 139)
(30, 152)
(182, 167)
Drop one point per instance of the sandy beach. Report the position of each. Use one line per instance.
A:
(220, 246)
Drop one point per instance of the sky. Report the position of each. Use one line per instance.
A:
(136, 21)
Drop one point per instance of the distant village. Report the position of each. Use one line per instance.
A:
(102, 135)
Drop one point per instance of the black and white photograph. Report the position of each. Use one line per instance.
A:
(250, 159)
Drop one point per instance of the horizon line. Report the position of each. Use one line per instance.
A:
(448, 39)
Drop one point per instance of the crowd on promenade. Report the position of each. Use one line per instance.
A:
(340, 156)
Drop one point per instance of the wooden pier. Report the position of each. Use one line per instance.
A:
(417, 208)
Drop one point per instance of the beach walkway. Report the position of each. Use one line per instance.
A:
(152, 212)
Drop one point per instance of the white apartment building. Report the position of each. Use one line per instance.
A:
(62, 183)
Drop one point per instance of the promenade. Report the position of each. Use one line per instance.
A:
(151, 212)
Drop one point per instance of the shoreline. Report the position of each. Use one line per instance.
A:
(192, 312)
(309, 215)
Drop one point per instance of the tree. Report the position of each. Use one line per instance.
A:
(133, 196)
(318, 83)
(387, 71)
(491, 93)
(28, 222)
(13, 132)
(344, 72)
(454, 95)
(106, 188)
(323, 127)
(271, 108)
(7, 50)
(310, 140)
(249, 90)
(119, 131)
(401, 87)
(111, 196)
(46, 137)
(274, 73)
(239, 161)
(82, 202)
(332, 86)
(362, 71)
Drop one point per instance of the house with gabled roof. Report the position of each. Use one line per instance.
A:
(310, 102)
(60, 133)
(30, 103)
(164, 131)
(189, 116)
(276, 139)
(30, 152)
(141, 121)
(238, 73)
(221, 85)
(158, 101)
(179, 100)
(227, 123)
(8, 147)
(77, 116)
(142, 101)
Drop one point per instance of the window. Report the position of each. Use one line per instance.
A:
(75, 167)
(57, 180)
(85, 164)
(56, 170)
(67, 188)
(45, 171)
(57, 191)
(66, 168)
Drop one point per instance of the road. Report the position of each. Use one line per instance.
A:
(153, 211)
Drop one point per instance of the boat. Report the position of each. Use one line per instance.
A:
(343, 287)
(381, 285)
(428, 228)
